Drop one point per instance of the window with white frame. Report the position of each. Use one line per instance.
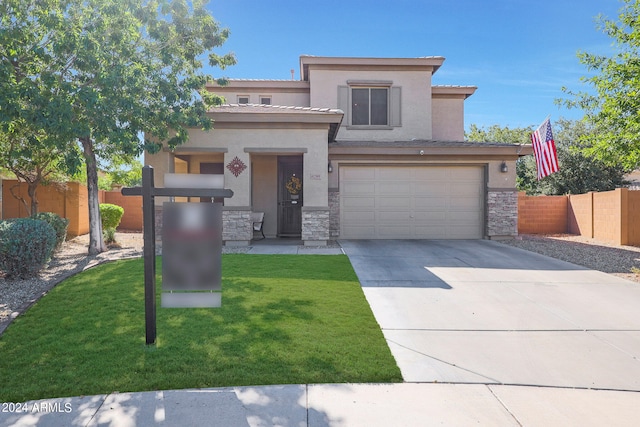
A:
(243, 99)
(265, 99)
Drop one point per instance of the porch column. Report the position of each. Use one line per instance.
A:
(162, 162)
(236, 215)
(315, 212)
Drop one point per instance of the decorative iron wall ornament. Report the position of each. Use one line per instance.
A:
(236, 166)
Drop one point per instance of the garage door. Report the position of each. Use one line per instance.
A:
(416, 202)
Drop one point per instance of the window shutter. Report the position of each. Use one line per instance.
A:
(396, 118)
(343, 103)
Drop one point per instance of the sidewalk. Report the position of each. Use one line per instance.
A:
(407, 404)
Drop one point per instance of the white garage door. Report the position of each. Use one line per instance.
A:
(411, 202)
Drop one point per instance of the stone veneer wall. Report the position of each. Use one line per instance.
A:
(502, 213)
(236, 225)
(334, 214)
(315, 225)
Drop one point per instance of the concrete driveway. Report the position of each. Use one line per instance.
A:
(478, 311)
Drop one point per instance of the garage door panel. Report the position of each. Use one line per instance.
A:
(358, 174)
(397, 203)
(358, 202)
(394, 232)
(354, 217)
(430, 203)
(392, 216)
(465, 204)
(391, 173)
(431, 189)
(358, 188)
(427, 202)
(392, 188)
(430, 217)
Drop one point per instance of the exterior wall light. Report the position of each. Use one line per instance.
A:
(330, 168)
(503, 167)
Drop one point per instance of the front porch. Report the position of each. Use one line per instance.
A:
(274, 161)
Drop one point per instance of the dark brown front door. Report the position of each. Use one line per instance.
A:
(290, 188)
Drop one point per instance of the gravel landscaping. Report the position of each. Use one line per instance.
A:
(622, 261)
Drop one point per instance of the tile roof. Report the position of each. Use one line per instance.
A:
(418, 143)
(271, 109)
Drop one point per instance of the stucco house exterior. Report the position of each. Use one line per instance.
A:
(358, 148)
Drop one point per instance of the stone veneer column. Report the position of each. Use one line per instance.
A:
(315, 225)
(502, 213)
(334, 214)
(236, 226)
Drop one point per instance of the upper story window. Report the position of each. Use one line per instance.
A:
(370, 104)
(265, 100)
(243, 99)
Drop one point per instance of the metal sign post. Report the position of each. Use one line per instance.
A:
(148, 192)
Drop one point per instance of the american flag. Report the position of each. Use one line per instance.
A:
(544, 149)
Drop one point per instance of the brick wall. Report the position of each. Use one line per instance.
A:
(542, 214)
(607, 223)
(70, 201)
(609, 216)
(132, 205)
(580, 214)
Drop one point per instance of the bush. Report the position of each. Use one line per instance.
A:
(110, 216)
(59, 225)
(26, 245)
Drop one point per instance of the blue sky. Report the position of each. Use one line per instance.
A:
(518, 52)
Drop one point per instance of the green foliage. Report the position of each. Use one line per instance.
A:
(579, 171)
(59, 225)
(26, 245)
(496, 133)
(104, 73)
(110, 215)
(614, 108)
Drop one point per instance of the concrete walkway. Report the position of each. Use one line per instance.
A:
(483, 333)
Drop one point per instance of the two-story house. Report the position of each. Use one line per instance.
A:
(358, 148)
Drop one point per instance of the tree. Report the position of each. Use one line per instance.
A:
(104, 72)
(579, 172)
(614, 109)
(32, 159)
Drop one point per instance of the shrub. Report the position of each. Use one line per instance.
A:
(59, 225)
(26, 245)
(111, 216)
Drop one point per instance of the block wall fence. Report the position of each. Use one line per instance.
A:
(70, 201)
(609, 216)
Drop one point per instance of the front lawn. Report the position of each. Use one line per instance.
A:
(285, 319)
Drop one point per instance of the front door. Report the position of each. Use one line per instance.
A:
(290, 196)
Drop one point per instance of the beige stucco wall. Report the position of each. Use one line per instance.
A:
(310, 140)
(415, 101)
(448, 119)
(264, 191)
(287, 99)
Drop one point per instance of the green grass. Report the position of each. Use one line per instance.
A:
(284, 320)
